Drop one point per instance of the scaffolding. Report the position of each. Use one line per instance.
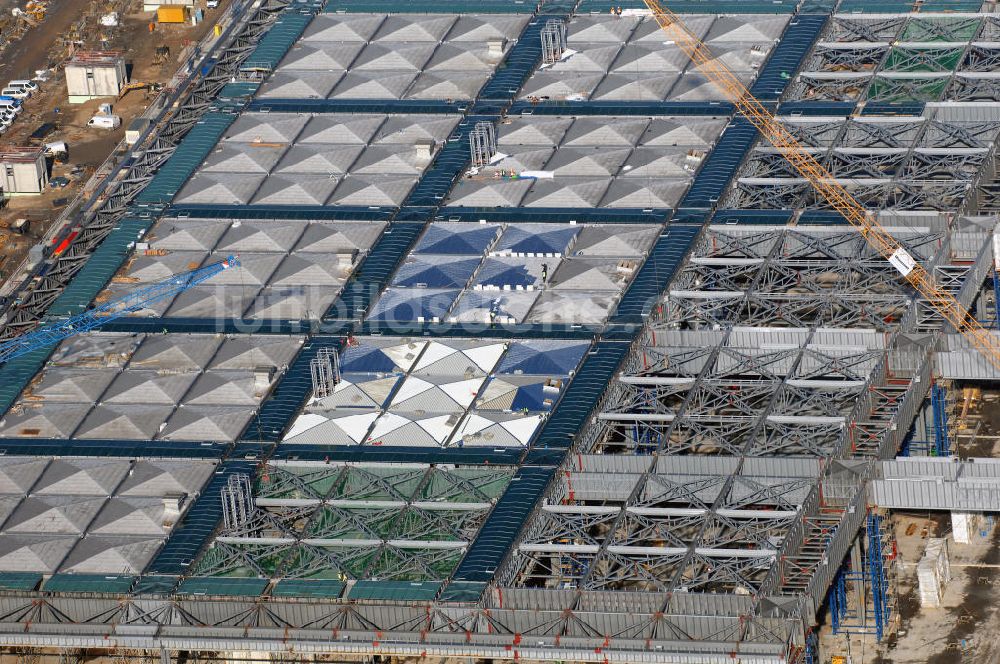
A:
(324, 369)
(553, 37)
(482, 144)
(862, 597)
(237, 503)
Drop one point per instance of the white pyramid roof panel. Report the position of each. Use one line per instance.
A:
(266, 127)
(459, 357)
(693, 86)
(82, 477)
(568, 307)
(321, 158)
(447, 84)
(373, 189)
(96, 349)
(374, 85)
(462, 56)
(643, 87)
(213, 301)
(561, 86)
(96, 554)
(176, 351)
(71, 385)
(341, 129)
(255, 269)
(34, 553)
(659, 162)
(124, 421)
(542, 131)
(600, 28)
(738, 57)
(688, 132)
(334, 237)
(48, 420)
(615, 241)
(318, 429)
(186, 234)
(296, 189)
(480, 28)
(394, 56)
(415, 27)
(313, 270)
(342, 27)
(261, 235)
(134, 516)
(320, 56)
(145, 386)
(587, 58)
(226, 388)
(589, 274)
(19, 474)
(521, 159)
(160, 477)
(587, 162)
(649, 58)
(146, 269)
(606, 131)
(650, 31)
(390, 159)
(644, 193)
(207, 423)
(54, 514)
(489, 193)
(220, 188)
(498, 429)
(567, 192)
(408, 129)
(293, 302)
(231, 157)
(760, 28)
(249, 352)
(300, 84)
(510, 306)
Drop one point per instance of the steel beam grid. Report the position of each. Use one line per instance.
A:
(114, 202)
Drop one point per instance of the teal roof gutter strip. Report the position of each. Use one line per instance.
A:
(787, 56)
(278, 40)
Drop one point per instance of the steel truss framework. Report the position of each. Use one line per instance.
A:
(709, 466)
(318, 520)
(926, 57)
(116, 201)
(933, 162)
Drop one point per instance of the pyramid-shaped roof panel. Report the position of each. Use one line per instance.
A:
(498, 429)
(381, 356)
(537, 238)
(468, 57)
(207, 423)
(233, 157)
(522, 159)
(569, 307)
(134, 516)
(435, 271)
(615, 241)
(48, 420)
(687, 132)
(254, 269)
(408, 129)
(249, 352)
(341, 430)
(146, 269)
(457, 238)
(266, 128)
(415, 28)
(447, 84)
(515, 272)
(313, 270)
(357, 189)
(489, 193)
(360, 391)
(593, 58)
(643, 193)
(293, 302)
(213, 301)
(412, 431)
(643, 87)
(390, 56)
(300, 84)
(575, 192)
(269, 235)
(340, 237)
(561, 86)
(54, 514)
(494, 306)
(650, 31)
(519, 394)
(600, 28)
(480, 28)
(435, 394)
(176, 351)
(413, 304)
(161, 477)
(123, 421)
(341, 129)
(97, 554)
(390, 159)
(761, 28)
(595, 131)
(296, 189)
(82, 477)
(19, 474)
(186, 234)
(587, 161)
(322, 158)
(72, 385)
(649, 57)
(589, 275)
(220, 188)
(547, 131)
(103, 349)
(34, 553)
(145, 386)
(226, 388)
(658, 162)
(374, 85)
(321, 56)
(543, 357)
(459, 357)
(343, 27)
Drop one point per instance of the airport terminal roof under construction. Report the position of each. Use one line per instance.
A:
(611, 378)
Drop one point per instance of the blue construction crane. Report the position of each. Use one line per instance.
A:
(109, 311)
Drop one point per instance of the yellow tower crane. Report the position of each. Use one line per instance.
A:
(820, 178)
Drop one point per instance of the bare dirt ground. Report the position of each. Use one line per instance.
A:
(45, 46)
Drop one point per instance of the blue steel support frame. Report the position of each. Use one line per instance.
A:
(996, 298)
(872, 618)
(939, 408)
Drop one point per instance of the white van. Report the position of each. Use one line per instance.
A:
(6, 105)
(105, 121)
(23, 83)
(16, 93)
